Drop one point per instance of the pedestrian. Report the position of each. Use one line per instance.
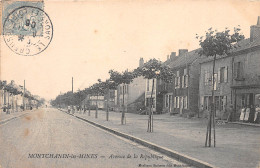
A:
(247, 114)
(251, 114)
(69, 109)
(242, 115)
(257, 114)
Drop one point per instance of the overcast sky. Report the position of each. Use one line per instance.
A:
(92, 37)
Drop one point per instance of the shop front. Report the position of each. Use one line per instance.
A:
(247, 103)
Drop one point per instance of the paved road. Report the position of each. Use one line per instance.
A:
(49, 138)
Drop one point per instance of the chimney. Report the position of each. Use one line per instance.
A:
(182, 51)
(173, 55)
(255, 31)
(141, 62)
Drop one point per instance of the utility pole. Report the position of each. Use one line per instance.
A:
(23, 95)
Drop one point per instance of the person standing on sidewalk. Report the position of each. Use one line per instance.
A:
(246, 119)
(251, 114)
(242, 115)
(257, 114)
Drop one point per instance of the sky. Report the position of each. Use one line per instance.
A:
(92, 37)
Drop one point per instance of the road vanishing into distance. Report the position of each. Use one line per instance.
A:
(49, 138)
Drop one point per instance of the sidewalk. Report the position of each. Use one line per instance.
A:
(7, 117)
(237, 146)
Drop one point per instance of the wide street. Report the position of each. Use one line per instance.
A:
(50, 138)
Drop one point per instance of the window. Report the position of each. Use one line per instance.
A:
(207, 77)
(186, 83)
(185, 102)
(182, 81)
(126, 89)
(174, 103)
(177, 102)
(217, 102)
(223, 102)
(185, 78)
(238, 71)
(180, 102)
(206, 100)
(166, 101)
(177, 80)
(215, 81)
(222, 74)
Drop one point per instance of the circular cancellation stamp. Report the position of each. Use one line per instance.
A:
(27, 30)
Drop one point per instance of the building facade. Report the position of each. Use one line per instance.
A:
(237, 79)
(245, 84)
(222, 90)
(186, 84)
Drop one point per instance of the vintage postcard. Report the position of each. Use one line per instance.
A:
(129, 83)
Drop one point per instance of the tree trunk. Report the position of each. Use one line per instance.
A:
(89, 110)
(150, 118)
(8, 111)
(96, 114)
(123, 112)
(108, 105)
(211, 121)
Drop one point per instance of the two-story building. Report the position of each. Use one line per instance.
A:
(245, 83)
(131, 95)
(222, 79)
(237, 80)
(184, 93)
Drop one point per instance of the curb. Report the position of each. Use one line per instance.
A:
(9, 119)
(246, 124)
(168, 152)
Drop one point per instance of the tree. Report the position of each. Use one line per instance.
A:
(122, 78)
(212, 44)
(152, 70)
(109, 85)
(97, 89)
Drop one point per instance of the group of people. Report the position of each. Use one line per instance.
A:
(250, 114)
(71, 109)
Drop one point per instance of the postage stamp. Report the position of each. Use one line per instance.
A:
(27, 30)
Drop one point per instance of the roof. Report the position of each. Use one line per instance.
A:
(184, 60)
(240, 46)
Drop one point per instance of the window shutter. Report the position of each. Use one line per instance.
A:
(235, 70)
(179, 82)
(219, 75)
(175, 82)
(174, 103)
(226, 74)
(182, 83)
(178, 102)
(215, 82)
(181, 102)
(187, 80)
(241, 70)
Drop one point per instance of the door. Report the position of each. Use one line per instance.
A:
(170, 103)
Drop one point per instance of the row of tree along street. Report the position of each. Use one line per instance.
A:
(213, 43)
(16, 98)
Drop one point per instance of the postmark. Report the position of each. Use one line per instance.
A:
(27, 30)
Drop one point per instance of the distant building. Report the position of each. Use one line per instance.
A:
(110, 97)
(97, 100)
(133, 97)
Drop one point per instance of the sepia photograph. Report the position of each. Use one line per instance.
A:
(130, 83)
